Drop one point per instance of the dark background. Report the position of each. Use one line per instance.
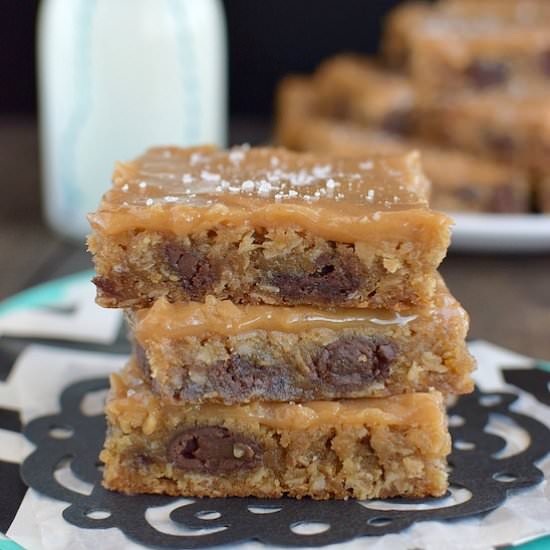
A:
(267, 39)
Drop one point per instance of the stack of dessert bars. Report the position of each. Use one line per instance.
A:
(292, 335)
(466, 82)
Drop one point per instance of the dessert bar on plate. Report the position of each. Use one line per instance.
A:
(460, 181)
(358, 88)
(511, 128)
(267, 226)
(453, 47)
(221, 352)
(477, 54)
(362, 448)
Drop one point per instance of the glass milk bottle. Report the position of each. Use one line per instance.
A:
(115, 77)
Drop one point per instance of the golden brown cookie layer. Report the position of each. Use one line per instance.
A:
(267, 226)
(220, 352)
(364, 448)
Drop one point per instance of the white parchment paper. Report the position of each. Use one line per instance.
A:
(42, 372)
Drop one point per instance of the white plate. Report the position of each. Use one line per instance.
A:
(501, 232)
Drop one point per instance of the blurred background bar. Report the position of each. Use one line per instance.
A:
(507, 296)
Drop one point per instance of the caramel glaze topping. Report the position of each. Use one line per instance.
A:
(190, 190)
(166, 320)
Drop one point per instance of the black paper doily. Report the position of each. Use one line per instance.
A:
(534, 381)
(477, 470)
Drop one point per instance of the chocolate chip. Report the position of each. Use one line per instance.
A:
(240, 378)
(339, 108)
(502, 144)
(485, 74)
(196, 272)
(334, 278)
(106, 286)
(349, 363)
(353, 361)
(398, 122)
(545, 63)
(213, 450)
(503, 201)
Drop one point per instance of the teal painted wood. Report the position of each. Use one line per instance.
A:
(539, 544)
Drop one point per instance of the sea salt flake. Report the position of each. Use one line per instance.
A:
(187, 178)
(321, 171)
(196, 158)
(331, 184)
(264, 188)
(370, 195)
(236, 156)
(247, 186)
(149, 202)
(142, 184)
(125, 187)
(274, 176)
(209, 176)
(366, 165)
(170, 198)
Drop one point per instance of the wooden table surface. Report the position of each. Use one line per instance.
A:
(507, 296)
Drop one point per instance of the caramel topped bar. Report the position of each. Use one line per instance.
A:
(190, 190)
(267, 226)
(365, 448)
(221, 352)
(456, 46)
(453, 54)
(463, 46)
(512, 128)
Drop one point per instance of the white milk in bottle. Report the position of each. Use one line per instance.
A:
(115, 77)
